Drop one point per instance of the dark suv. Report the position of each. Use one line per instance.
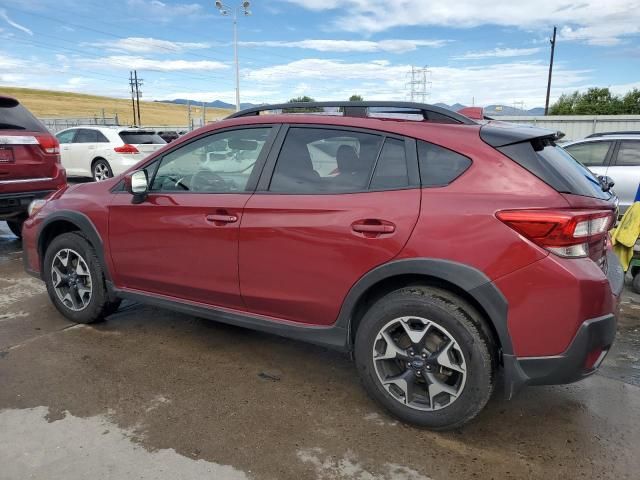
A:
(29, 162)
(435, 249)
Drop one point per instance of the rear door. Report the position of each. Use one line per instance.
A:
(79, 154)
(332, 204)
(625, 171)
(21, 156)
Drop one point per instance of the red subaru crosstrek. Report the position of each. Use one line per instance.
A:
(439, 250)
(30, 165)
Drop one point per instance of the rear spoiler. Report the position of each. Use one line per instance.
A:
(500, 134)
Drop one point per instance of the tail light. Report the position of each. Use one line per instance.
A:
(126, 148)
(48, 143)
(567, 233)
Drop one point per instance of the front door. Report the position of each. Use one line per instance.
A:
(182, 242)
(339, 203)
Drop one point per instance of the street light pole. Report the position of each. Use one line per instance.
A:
(224, 10)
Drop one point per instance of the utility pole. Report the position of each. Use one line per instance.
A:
(553, 47)
(138, 85)
(189, 115)
(133, 97)
(204, 116)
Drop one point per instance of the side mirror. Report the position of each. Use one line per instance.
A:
(137, 185)
(606, 182)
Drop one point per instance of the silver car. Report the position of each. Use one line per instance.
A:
(615, 154)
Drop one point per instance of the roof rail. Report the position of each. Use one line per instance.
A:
(363, 109)
(604, 134)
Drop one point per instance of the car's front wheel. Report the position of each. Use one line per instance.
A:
(424, 354)
(75, 279)
(101, 170)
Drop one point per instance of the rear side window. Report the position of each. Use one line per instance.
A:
(590, 154)
(391, 169)
(628, 153)
(555, 167)
(86, 135)
(314, 160)
(440, 166)
(141, 138)
(13, 116)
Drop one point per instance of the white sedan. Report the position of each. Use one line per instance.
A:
(102, 152)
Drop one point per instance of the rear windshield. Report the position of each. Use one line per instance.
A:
(557, 168)
(141, 138)
(15, 117)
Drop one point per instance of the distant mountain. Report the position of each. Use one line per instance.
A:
(497, 110)
(214, 104)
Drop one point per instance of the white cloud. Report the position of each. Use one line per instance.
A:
(391, 45)
(148, 45)
(499, 53)
(592, 21)
(5, 17)
(164, 12)
(140, 63)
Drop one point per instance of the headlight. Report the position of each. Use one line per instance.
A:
(35, 206)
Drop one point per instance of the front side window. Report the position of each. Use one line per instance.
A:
(66, 137)
(315, 160)
(218, 163)
(590, 154)
(629, 153)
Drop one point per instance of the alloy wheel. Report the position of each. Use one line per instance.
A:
(100, 172)
(419, 363)
(71, 279)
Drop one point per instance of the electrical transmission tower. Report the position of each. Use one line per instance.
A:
(136, 93)
(418, 85)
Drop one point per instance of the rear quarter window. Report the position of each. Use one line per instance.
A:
(440, 166)
(14, 116)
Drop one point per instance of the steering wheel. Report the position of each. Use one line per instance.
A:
(208, 181)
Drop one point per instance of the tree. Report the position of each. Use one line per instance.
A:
(597, 101)
(356, 98)
(302, 99)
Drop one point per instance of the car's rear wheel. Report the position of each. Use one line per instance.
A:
(15, 225)
(75, 279)
(425, 355)
(101, 170)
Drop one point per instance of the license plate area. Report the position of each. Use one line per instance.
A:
(6, 155)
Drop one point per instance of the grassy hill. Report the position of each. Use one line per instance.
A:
(53, 104)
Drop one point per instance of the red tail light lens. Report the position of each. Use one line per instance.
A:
(126, 148)
(566, 233)
(48, 143)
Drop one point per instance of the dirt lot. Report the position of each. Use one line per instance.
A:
(154, 394)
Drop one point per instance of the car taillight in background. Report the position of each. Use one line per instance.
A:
(126, 148)
(567, 233)
(48, 143)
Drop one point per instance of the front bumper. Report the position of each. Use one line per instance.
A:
(16, 204)
(585, 353)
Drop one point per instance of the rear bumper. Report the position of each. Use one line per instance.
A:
(16, 204)
(585, 353)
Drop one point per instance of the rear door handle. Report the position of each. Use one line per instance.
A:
(374, 226)
(222, 218)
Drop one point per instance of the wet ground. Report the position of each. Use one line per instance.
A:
(155, 394)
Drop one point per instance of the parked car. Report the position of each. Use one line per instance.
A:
(168, 135)
(29, 162)
(438, 252)
(102, 152)
(614, 154)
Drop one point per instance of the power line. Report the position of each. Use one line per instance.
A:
(418, 84)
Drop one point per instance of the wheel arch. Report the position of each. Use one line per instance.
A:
(465, 281)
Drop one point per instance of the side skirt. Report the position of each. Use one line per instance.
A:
(331, 336)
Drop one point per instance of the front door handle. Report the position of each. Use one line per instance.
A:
(373, 227)
(222, 218)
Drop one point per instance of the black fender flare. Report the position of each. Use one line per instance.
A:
(84, 225)
(468, 278)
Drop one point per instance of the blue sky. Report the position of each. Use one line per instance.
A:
(494, 51)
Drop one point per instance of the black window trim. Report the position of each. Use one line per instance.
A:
(253, 178)
(608, 159)
(614, 156)
(270, 164)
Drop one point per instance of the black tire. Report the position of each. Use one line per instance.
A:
(464, 324)
(99, 306)
(15, 226)
(634, 271)
(635, 284)
(101, 165)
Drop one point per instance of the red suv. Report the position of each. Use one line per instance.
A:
(437, 249)
(29, 162)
